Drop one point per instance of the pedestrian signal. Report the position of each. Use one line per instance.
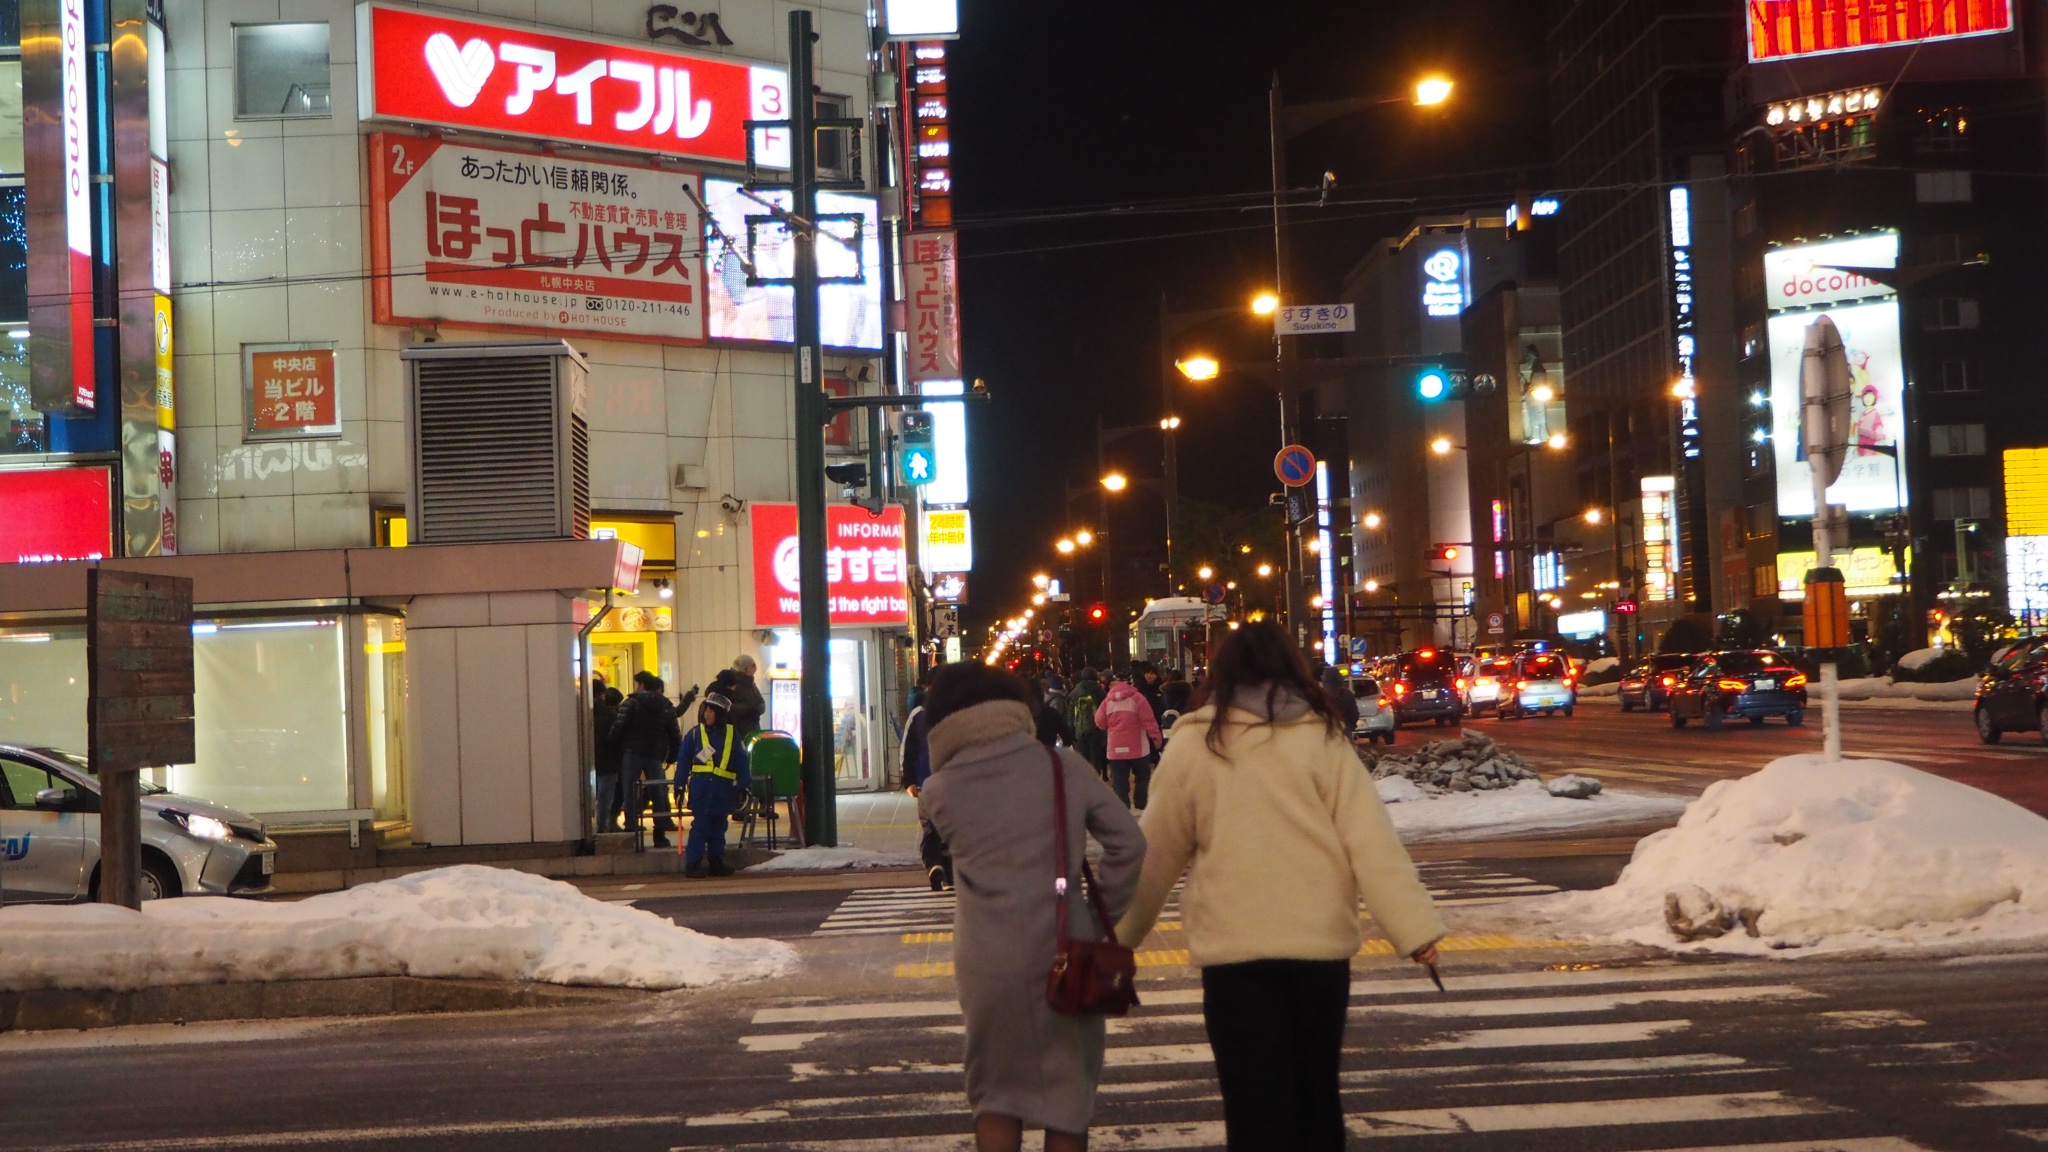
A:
(917, 461)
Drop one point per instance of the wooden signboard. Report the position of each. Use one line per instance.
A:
(139, 705)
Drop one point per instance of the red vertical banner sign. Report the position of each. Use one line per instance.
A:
(931, 135)
(932, 285)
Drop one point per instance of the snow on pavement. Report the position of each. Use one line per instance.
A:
(468, 921)
(833, 860)
(1421, 817)
(1856, 857)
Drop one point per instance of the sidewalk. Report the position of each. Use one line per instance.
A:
(879, 822)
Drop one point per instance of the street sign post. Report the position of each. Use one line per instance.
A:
(139, 706)
(1295, 466)
(1307, 319)
(1824, 385)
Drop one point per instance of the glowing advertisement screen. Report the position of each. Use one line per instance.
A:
(1804, 284)
(1785, 29)
(850, 315)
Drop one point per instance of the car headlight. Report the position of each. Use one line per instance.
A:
(199, 826)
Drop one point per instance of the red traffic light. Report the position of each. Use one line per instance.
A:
(1444, 552)
(1625, 607)
(1097, 614)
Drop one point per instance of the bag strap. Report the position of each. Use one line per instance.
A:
(1059, 837)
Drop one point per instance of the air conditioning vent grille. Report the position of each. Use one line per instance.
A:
(497, 454)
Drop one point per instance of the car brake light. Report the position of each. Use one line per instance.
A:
(1732, 685)
(1461, 682)
(1400, 689)
(1567, 680)
(1669, 681)
(1798, 681)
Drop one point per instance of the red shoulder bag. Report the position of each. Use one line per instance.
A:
(1089, 977)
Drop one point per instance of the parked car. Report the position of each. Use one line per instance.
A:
(1751, 685)
(50, 836)
(1483, 681)
(2013, 692)
(1540, 682)
(1648, 684)
(1376, 720)
(1424, 686)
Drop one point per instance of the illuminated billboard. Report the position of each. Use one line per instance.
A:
(1788, 29)
(850, 314)
(1805, 283)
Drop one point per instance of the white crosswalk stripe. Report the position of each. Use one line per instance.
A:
(1623, 1059)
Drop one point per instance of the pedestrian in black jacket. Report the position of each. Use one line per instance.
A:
(648, 738)
(611, 799)
(747, 705)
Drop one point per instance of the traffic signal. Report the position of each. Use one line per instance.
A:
(1097, 613)
(917, 462)
(1435, 382)
(1443, 552)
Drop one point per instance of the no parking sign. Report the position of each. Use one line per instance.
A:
(1295, 466)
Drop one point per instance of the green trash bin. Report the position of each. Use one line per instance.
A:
(778, 765)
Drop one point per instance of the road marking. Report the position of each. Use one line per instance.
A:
(1623, 1066)
(1583, 1114)
(2038, 1135)
(303, 1137)
(2006, 1093)
(1872, 1018)
(832, 1013)
(1561, 978)
(1570, 1005)
(1555, 1036)
(1170, 957)
(782, 1042)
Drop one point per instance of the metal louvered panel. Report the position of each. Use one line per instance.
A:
(499, 450)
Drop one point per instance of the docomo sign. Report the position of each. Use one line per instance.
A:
(865, 565)
(432, 68)
(1813, 274)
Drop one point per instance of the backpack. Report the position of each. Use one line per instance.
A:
(1086, 698)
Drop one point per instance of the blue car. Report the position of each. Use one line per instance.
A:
(1752, 686)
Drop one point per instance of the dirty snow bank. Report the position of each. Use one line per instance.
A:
(1864, 855)
(1886, 689)
(467, 921)
(833, 859)
(1525, 807)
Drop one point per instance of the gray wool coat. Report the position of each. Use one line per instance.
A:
(990, 797)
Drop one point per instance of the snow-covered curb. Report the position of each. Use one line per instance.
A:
(1886, 689)
(1599, 690)
(833, 860)
(1527, 807)
(1863, 856)
(468, 921)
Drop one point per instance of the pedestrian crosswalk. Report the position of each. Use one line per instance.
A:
(1680, 1057)
(927, 914)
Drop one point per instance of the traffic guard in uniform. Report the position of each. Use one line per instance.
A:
(718, 777)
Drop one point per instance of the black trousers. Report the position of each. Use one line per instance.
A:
(1277, 1028)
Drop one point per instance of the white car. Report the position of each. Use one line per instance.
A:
(1376, 719)
(50, 836)
(1543, 683)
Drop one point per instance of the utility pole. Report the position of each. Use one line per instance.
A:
(1283, 358)
(1169, 422)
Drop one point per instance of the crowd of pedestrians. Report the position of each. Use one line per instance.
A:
(1244, 785)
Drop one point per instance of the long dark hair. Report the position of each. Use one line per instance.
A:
(1255, 654)
(960, 686)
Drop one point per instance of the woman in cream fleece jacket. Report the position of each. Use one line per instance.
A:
(1261, 800)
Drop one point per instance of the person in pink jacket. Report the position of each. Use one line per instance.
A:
(1133, 733)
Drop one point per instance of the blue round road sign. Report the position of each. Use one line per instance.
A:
(1295, 466)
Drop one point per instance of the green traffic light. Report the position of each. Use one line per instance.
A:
(1432, 385)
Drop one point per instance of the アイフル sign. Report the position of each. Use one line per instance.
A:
(865, 565)
(425, 67)
(533, 243)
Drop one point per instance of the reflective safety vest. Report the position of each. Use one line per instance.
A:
(723, 767)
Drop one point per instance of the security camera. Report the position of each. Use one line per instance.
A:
(731, 505)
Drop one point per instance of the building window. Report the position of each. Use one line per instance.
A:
(1941, 187)
(1955, 440)
(281, 72)
(837, 157)
(1951, 247)
(1942, 130)
(1763, 581)
(1745, 219)
(1962, 503)
(1763, 525)
(1955, 312)
(1955, 376)
(1752, 340)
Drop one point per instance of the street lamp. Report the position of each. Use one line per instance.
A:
(1431, 91)
(1116, 482)
(1265, 571)
(1594, 515)
(1442, 446)
(1557, 442)
(1373, 520)
(1543, 393)
(1084, 538)
(1205, 572)
(1040, 580)
(1199, 367)
(1064, 547)
(1265, 304)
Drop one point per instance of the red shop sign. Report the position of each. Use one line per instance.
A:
(50, 515)
(430, 67)
(865, 565)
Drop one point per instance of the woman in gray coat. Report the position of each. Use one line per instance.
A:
(990, 797)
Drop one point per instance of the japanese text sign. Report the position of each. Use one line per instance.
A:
(427, 67)
(1302, 319)
(865, 566)
(291, 390)
(932, 281)
(525, 242)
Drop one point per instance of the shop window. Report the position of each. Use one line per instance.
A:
(281, 72)
(1962, 503)
(1955, 312)
(42, 686)
(384, 705)
(1941, 187)
(1955, 440)
(272, 715)
(1942, 130)
(1954, 376)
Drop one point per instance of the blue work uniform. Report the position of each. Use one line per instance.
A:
(718, 776)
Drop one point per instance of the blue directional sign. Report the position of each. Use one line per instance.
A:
(1295, 466)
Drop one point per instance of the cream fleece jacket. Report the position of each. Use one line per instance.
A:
(1279, 842)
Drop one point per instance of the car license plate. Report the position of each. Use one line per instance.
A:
(269, 863)
(1429, 694)
(1766, 685)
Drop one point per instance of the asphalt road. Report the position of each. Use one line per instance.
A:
(1642, 751)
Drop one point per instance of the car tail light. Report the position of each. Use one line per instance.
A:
(1797, 681)
(1731, 685)
(1400, 689)
(1461, 682)
(1669, 681)
(1567, 679)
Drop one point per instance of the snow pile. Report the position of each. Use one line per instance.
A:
(1919, 658)
(833, 860)
(1603, 665)
(1886, 689)
(468, 921)
(1527, 807)
(1856, 856)
(1471, 762)
(1611, 689)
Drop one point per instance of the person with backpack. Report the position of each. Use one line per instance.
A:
(1132, 731)
(1264, 805)
(1088, 735)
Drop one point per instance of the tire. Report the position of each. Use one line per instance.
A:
(1796, 719)
(1677, 721)
(1443, 721)
(1389, 738)
(1627, 707)
(1712, 717)
(1756, 721)
(1987, 729)
(159, 880)
(1568, 710)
